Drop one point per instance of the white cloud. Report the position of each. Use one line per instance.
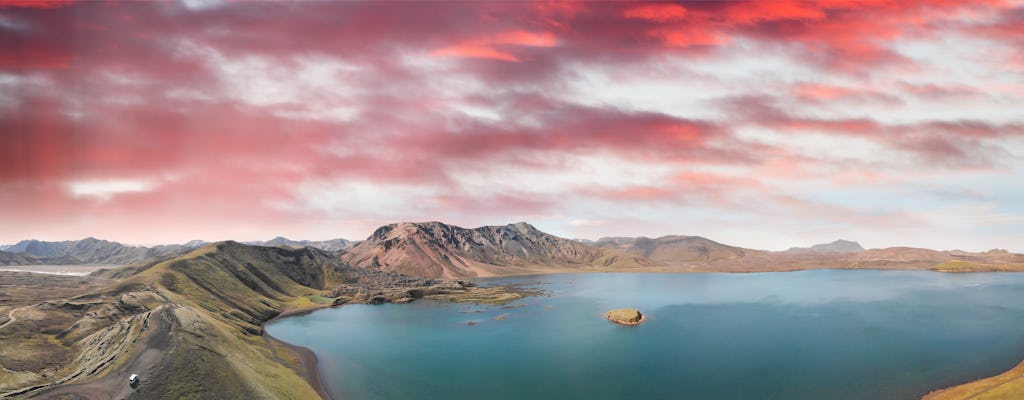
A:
(201, 5)
(104, 190)
(589, 222)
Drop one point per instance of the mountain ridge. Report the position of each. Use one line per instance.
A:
(436, 249)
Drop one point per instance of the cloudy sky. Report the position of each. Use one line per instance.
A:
(765, 124)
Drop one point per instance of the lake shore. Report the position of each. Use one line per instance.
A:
(308, 361)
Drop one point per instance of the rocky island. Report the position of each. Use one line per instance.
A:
(625, 316)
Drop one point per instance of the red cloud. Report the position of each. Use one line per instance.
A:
(45, 4)
(656, 12)
(489, 47)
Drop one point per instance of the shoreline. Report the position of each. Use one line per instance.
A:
(307, 358)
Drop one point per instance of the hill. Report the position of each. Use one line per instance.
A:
(190, 326)
(674, 249)
(434, 249)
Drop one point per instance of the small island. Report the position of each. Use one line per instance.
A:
(625, 316)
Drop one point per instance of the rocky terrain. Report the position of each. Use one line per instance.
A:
(190, 326)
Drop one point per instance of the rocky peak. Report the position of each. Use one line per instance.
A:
(435, 249)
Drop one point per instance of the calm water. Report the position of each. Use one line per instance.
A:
(823, 334)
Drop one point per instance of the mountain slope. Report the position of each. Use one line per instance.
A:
(434, 249)
(674, 249)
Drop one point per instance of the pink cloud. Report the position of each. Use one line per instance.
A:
(145, 92)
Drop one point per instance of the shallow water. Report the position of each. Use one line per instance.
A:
(825, 334)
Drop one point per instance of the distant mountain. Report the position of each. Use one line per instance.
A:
(674, 249)
(838, 246)
(95, 251)
(8, 258)
(174, 249)
(434, 249)
(326, 245)
(89, 251)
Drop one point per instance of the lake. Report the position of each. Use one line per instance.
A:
(822, 334)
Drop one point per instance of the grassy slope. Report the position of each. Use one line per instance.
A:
(195, 322)
(223, 294)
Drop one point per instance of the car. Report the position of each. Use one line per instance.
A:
(133, 380)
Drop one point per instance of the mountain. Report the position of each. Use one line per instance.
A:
(174, 249)
(326, 245)
(674, 249)
(434, 249)
(90, 251)
(8, 258)
(838, 246)
(40, 249)
(86, 251)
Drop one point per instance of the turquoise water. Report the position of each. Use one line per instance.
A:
(825, 334)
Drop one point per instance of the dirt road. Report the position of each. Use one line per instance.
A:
(144, 356)
(10, 316)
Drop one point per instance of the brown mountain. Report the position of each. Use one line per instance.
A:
(674, 249)
(434, 249)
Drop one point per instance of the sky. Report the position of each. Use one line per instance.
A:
(763, 124)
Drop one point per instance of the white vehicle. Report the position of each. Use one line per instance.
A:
(133, 380)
